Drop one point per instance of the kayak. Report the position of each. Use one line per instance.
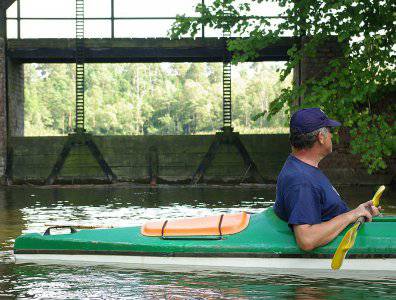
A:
(243, 240)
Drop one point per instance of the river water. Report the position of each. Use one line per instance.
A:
(27, 209)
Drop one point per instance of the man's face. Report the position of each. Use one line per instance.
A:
(328, 145)
(325, 142)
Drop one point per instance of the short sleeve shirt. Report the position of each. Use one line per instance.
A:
(304, 195)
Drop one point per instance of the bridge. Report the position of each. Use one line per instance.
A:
(134, 50)
(43, 159)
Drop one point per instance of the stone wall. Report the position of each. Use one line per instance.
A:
(178, 158)
(314, 66)
(3, 111)
(128, 156)
(16, 101)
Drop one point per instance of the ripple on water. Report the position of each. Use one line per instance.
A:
(106, 282)
(6, 257)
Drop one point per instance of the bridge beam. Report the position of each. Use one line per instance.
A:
(134, 50)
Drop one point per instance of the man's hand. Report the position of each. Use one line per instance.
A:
(366, 209)
(309, 237)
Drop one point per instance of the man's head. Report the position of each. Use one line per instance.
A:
(311, 127)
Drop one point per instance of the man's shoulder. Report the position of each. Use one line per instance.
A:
(291, 180)
(290, 174)
(294, 178)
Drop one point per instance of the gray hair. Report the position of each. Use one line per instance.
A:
(305, 140)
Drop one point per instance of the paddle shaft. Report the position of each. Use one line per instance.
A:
(360, 220)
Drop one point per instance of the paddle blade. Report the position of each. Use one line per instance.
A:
(349, 239)
(378, 195)
(347, 243)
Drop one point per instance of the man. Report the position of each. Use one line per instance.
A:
(305, 197)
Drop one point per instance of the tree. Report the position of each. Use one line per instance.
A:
(145, 98)
(357, 88)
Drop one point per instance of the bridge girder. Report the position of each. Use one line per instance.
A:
(135, 50)
(6, 4)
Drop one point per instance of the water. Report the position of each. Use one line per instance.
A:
(28, 209)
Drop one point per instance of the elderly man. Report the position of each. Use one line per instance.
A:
(305, 197)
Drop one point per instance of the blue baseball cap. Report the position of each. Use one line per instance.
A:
(309, 119)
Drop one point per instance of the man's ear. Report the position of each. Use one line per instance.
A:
(321, 138)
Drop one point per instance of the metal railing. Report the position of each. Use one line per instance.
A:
(112, 19)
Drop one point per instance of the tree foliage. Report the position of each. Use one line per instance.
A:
(148, 98)
(357, 87)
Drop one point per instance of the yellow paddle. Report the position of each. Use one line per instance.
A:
(349, 239)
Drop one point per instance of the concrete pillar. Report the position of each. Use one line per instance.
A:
(3, 97)
(15, 81)
(315, 66)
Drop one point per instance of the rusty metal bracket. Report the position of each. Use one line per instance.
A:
(78, 139)
(227, 137)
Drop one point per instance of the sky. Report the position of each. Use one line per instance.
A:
(101, 9)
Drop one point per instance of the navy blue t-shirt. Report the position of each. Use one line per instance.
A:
(304, 195)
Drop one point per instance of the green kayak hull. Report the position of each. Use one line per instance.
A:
(265, 236)
(266, 243)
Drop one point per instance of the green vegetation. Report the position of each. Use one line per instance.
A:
(184, 98)
(358, 88)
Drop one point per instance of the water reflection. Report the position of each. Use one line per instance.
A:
(11, 220)
(28, 209)
(100, 282)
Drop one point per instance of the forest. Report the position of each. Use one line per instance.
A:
(151, 98)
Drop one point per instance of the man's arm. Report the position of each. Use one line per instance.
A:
(309, 237)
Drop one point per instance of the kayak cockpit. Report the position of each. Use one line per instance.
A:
(225, 224)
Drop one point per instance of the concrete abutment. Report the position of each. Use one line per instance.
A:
(3, 111)
(16, 99)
